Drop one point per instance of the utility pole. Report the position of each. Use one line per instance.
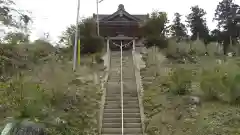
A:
(76, 39)
(97, 1)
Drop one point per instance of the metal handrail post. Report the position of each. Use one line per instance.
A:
(122, 85)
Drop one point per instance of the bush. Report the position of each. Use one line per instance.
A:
(160, 42)
(221, 82)
(198, 47)
(180, 81)
(212, 83)
(16, 58)
(92, 45)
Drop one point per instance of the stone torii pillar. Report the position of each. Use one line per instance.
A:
(134, 41)
(108, 48)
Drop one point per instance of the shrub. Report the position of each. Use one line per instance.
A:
(92, 45)
(214, 49)
(212, 83)
(198, 47)
(180, 81)
(221, 82)
(160, 42)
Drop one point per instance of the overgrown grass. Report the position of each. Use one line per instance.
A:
(49, 92)
(200, 97)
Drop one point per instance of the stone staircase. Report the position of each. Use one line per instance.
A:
(112, 114)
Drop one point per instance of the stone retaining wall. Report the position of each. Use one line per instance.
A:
(104, 79)
(138, 64)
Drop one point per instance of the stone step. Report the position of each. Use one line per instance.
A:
(114, 106)
(114, 90)
(125, 115)
(119, 120)
(112, 121)
(119, 98)
(119, 130)
(132, 110)
(124, 102)
(119, 125)
(118, 94)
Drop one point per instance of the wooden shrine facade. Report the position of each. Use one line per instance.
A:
(120, 24)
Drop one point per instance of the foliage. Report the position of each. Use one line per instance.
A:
(185, 52)
(221, 82)
(44, 100)
(178, 29)
(90, 42)
(197, 23)
(46, 90)
(92, 45)
(225, 15)
(158, 41)
(180, 81)
(155, 29)
(198, 47)
(15, 58)
(7, 15)
(15, 38)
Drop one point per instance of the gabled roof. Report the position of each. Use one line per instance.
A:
(121, 11)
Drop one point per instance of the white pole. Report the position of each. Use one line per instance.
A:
(134, 45)
(97, 18)
(76, 39)
(122, 85)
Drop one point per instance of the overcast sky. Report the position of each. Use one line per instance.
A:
(54, 16)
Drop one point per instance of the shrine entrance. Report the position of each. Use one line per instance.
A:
(116, 43)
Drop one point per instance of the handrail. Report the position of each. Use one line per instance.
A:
(122, 86)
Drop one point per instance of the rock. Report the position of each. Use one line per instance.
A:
(25, 127)
(60, 121)
(193, 100)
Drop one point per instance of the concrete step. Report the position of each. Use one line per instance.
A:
(119, 120)
(136, 110)
(119, 130)
(118, 98)
(114, 91)
(124, 102)
(119, 125)
(125, 95)
(115, 106)
(112, 121)
(132, 103)
(125, 115)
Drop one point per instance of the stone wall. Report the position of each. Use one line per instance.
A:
(138, 64)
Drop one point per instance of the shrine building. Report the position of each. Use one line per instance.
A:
(120, 26)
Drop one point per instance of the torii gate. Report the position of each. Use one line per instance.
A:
(121, 38)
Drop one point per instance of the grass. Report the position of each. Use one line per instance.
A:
(168, 113)
(49, 92)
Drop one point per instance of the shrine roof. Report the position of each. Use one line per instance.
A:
(121, 10)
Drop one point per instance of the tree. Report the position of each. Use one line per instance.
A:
(225, 15)
(178, 29)
(7, 12)
(90, 42)
(16, 38)
(155, 29)
(215, 35)
(197, 24)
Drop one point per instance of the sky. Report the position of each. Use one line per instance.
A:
(53, 16)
